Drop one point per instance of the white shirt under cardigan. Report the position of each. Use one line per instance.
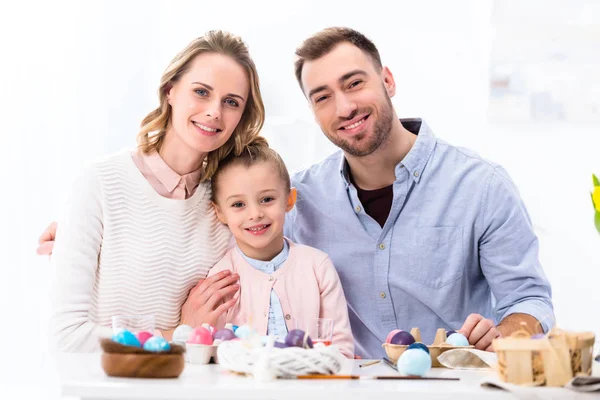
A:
(122, 249)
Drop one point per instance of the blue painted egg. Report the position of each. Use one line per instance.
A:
(157, 344)
(457, 339)
(234, 328)
(126, 338)
(243, 331)
(418, 345)
(414, 362)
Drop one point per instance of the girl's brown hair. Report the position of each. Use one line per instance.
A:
(255, 152)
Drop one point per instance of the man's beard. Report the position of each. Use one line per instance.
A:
(363, 145)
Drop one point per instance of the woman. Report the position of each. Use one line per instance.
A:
(139, 231)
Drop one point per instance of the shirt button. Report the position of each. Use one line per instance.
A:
(288, 316)
(382, 294)
(382, 246)
(271, 278)
(357, 208)
(416, 174)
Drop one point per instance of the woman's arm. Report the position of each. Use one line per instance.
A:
(75, 261)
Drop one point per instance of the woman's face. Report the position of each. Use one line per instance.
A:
(208, 101)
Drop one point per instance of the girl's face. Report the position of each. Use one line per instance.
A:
(253, 202)
(208, 102)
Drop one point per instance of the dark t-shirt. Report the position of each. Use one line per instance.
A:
(377, 203)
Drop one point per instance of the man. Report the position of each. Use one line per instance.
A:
(423, 234)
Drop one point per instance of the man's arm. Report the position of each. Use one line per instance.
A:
(508, 254)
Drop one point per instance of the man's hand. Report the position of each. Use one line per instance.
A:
(480, 332)
(46, 242)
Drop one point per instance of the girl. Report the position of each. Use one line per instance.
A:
(283, 285)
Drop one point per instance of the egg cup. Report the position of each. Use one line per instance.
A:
(439, 346)
(201, 353)
(134, 362)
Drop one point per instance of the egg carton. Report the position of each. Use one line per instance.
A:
(439, 346)
(238, 356)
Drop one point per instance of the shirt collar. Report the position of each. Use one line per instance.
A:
(417, 157)
(276, 262)
(169, 178)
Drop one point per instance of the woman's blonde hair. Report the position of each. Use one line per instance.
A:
(252, 119)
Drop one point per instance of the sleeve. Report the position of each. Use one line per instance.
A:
(334, 306)
(220, 266)
(75, 262)
(508, 251)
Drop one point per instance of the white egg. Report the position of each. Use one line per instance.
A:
(182, 334)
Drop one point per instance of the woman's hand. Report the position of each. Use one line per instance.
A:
(209, 299)
(46, 241)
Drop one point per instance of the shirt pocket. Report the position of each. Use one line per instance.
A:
(431, 256)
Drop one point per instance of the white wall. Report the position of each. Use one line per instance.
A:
(77, 77)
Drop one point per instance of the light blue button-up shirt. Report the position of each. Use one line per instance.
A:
(276, 325)
(457, 240)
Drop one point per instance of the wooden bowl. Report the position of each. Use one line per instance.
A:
(439, 346)
(132, 362)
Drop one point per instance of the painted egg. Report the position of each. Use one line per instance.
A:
(143, 336)
(402, 338)
(157, 344)
(126, 338)
(418, 345)
(457, 339)
(243, 331)
(414, 362)
(280, 345)
(234, 328)
(298, 338)
(538, 336)
(210, 328)
(182, 333)
(388, 339)
(224, 334)
(201, 335)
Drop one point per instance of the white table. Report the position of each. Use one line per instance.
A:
(82, 376)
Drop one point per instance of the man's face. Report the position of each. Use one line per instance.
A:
(350, 99)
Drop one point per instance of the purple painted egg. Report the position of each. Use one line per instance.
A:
(390, 335)
(298, 338)
(224, 334)
(402, 338)
(538, 336)
(280, 345)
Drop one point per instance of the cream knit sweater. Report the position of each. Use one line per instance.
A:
(122, 249)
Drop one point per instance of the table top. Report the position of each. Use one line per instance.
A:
(81, 376)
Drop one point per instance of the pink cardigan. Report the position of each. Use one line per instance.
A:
(307, 285)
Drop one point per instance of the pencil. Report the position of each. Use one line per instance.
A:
(367, 377)
(369, 363)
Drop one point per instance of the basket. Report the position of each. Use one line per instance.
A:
(238, 357)
(439, 346)
(549, 361)
(134, 362)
